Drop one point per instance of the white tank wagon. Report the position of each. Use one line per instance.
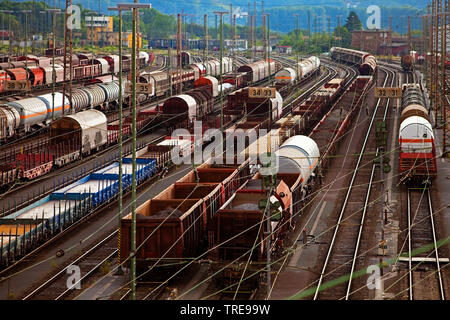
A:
(416, 135)
(98, 95)
(298, 154)
(307, 66)
(80, 100)
(39, 109)
(285, 76)
(111, 91)
(88, 127)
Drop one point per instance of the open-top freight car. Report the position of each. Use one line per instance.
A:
(366, 62)
(173, 225)
(242, 221)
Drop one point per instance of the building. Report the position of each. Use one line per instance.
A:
(383, 42)
(284, 49)
(102, 34)
(371, 40)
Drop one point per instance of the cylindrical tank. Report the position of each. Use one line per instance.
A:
(407, 62)
(412, 94)
(368, 66)
(285, 76)
(416, 135)
(58, 109)
(414, 110)
(111, 91)
(80, 100)
(98, 95)
(31, 110)
(298, 154)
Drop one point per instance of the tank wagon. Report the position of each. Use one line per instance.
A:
(22, 116)
(416, 138)
(294, 74)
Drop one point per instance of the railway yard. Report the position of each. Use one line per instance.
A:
(319, 177)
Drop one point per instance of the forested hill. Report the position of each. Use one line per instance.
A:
(281, 12)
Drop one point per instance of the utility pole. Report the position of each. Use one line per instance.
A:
(444, 87)
(309, 31)
(234, 43)
(179, 48)
(268, 52)
(221, 13)
(339, 30)
(409, 35)
(205, 40)
(249, 30)
(119, 265)
(231, 21)
(254, 29)
(54, 11)
(134, 8)
(296, 40)
(264, 35)
(25, 12)
(329, 33)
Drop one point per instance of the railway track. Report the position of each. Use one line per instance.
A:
(342, 255)
(58, 286)
(94, 259)
(425, 269)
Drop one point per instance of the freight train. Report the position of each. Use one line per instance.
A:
(84, 67)
(22, 116)
(416, 138)
(366, 62)
(198, 103)
(73, 198)
(201, 214)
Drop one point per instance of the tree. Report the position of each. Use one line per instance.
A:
(353, 23)
(342, 37)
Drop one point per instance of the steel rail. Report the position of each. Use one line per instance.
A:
(344, 206)
(47, 283)
(358, 241)
(436, 252)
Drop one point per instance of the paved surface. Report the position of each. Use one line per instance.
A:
(78, 240)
